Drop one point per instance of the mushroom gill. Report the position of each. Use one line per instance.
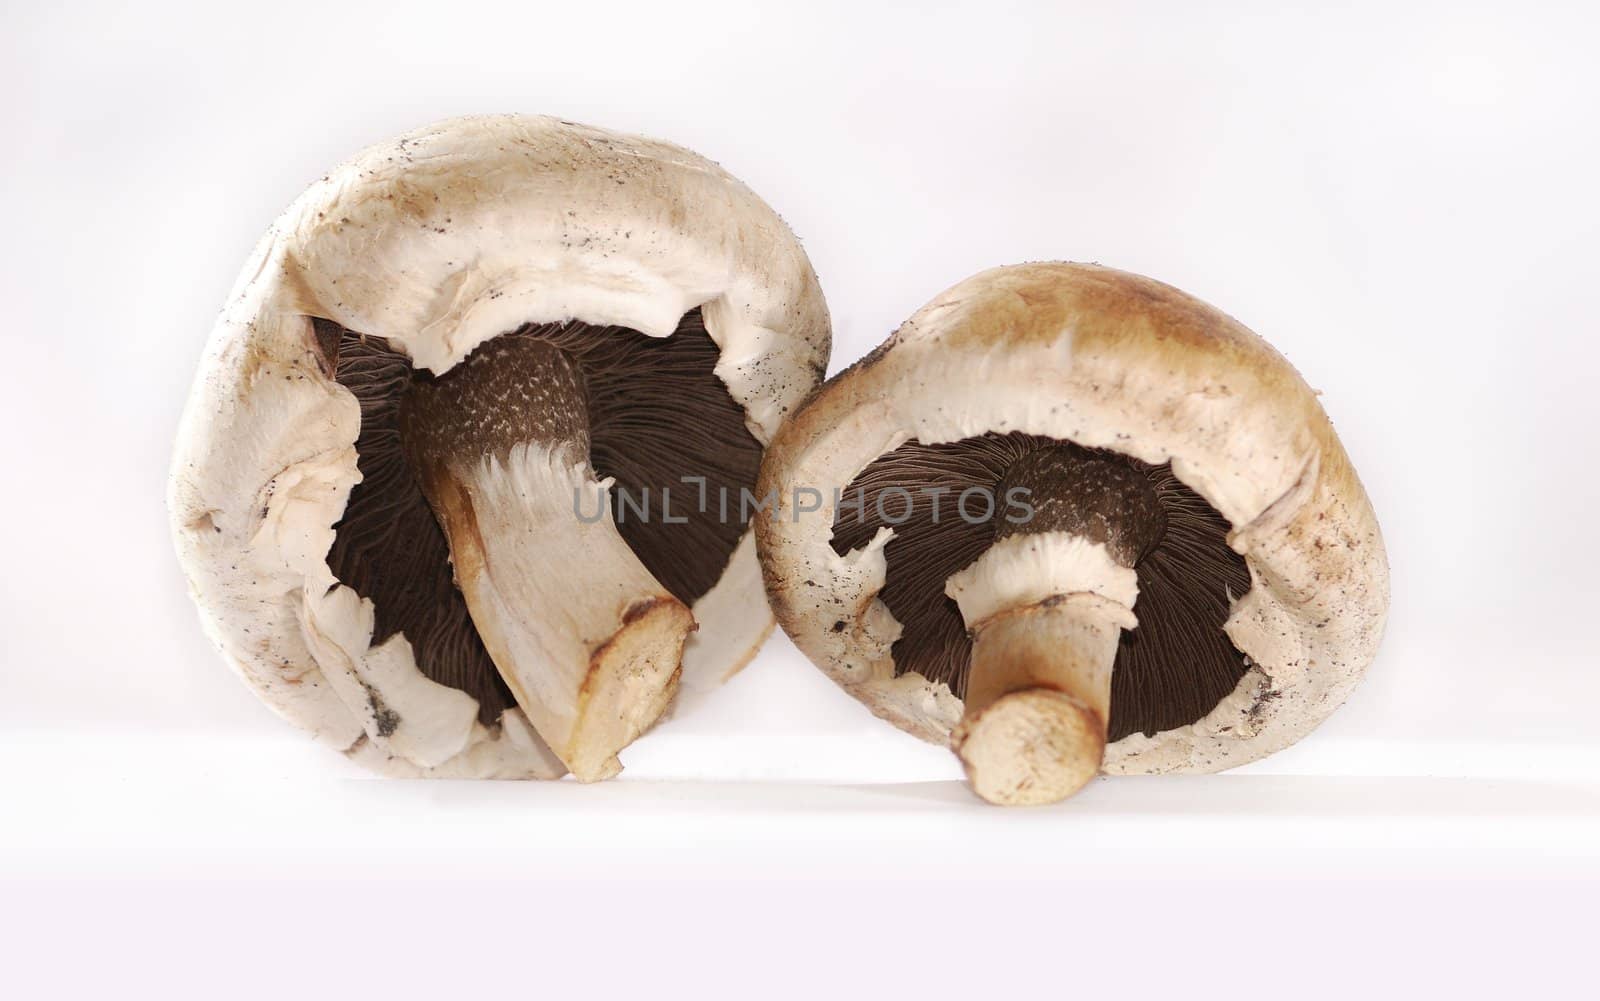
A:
(646, 411)
(1171, 670)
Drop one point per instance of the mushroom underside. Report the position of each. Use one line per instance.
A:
(656, 412)
(1171, 670)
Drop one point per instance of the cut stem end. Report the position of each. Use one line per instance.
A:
(632, 678)
(1031, 747)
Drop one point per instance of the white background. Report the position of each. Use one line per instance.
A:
(1401, 200)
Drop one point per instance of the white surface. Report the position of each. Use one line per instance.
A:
(1400, 200)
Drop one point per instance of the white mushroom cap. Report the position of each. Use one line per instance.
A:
(438, 241)
(1105, 360)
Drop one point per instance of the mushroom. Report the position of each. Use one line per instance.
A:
(462, 485)
(1072, 520)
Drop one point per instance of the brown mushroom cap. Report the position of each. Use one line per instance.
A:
(1268, 584)
(623, 253)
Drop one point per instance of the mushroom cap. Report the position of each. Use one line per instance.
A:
(1107, 360)
(440, 240)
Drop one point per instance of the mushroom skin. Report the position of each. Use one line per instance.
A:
(1112, 361)
(437, 242)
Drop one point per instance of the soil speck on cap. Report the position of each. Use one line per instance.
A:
(385, 719)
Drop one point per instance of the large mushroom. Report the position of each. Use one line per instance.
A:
(1070, 519)
(452, 489)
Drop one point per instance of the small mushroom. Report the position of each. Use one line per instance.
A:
(1068, 520)
(462, 486)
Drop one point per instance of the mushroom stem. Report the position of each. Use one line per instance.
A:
(1039, 697)
(586, 639)
(588, 642)
(1046, 605)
